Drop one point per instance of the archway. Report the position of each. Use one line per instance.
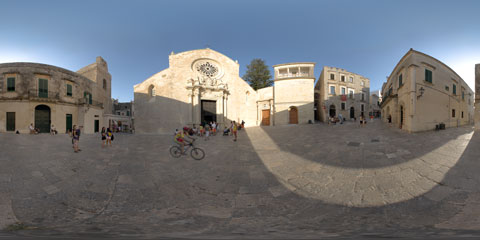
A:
(42, 118)
(352, 112)
(332, 111)
(293, 115)
(151, 91)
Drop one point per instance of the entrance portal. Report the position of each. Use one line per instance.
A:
(293, 115)
(332, 111)
(42, 118)
(266, 117)
(209, 111)
(352, 112)
(68, 123)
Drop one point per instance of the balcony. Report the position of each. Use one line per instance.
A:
(41, 95)
(88, 102)
(293, 75)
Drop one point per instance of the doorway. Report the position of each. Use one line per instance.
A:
(352, 112)
(68, 123)
(10, 121)
(266, 117)
(401, 116)
(42, 118)
(332, 111)
(293, 115)
(97, 126)
(209, 111)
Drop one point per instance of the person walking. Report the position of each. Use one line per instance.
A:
(207, 131)
(235, 128)
(104, 136)
(109, 136)
(76, 139)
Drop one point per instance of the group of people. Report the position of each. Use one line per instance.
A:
(185, 136)
(107, 137)
(340, 119)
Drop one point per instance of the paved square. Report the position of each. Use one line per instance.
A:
(303, 181)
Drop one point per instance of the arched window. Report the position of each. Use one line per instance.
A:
(151, 91)
(104, 84)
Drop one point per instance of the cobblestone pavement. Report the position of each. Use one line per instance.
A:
(306, 181)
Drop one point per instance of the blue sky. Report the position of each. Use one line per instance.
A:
(136, 37)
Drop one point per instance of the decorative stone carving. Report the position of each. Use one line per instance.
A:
(208, 73)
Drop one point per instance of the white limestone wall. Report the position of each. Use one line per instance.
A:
(297, 93)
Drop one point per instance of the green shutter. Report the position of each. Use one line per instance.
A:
(89, 98)
(10, 84)
(454, 89)
(42, 88)
(69, 90)
(428, 76)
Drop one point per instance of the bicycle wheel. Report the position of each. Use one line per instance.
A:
(197, 153)
(175, 151)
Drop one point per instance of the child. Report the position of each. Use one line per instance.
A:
(207, 132)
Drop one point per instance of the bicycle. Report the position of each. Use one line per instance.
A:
(195, 153)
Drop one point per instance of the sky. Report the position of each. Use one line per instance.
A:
(135, 37)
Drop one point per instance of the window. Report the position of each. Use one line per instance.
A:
(104, 84)
(88, 97)
(343, 106)
(11, 84)
(428, 76)
(447, 88)
(42, 88)
(454, 89)
(362, 107)
(342, 78)
(332, 90)
(118, 113)
(362, 83)
(453, 113)
(350, 93)
(343, 91)
(69, 90)
(363, 96)
(400, 80)
(332, 76)
(128, 113)
(351, 79)
(463, 95)
(462, 114)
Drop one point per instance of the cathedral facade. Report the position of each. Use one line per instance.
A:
(204, 85)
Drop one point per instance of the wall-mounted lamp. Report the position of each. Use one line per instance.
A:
(422, 90)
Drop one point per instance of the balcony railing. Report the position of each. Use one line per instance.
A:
(87, 101)
(41, 94)
(289, 75)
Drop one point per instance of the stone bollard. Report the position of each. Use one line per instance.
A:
(477, 97)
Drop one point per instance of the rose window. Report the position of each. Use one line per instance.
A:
(207, 69)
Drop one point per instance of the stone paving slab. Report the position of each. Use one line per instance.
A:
(268, 184)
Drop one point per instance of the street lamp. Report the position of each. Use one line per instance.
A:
(422, 90)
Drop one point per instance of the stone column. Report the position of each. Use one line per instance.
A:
(477, 97)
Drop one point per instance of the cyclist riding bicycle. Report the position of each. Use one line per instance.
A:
(180, 138)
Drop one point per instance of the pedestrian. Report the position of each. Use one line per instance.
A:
(243, 124)
(76, 139)
(104, 136)
(234, 127)
(207, 132)
(214, 128)
(340, 117)
(53, 131)
(109, 137)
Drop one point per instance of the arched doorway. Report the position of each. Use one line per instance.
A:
(293, 115)
(401, 116)
(352, 112)
(42, 118)
(332, 111)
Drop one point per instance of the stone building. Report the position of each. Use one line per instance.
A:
(204, 85)
(341, 92)
(44, 95)
(122, 116)
(422, 92)
(290, 100)
(477, 96)
(375, 99)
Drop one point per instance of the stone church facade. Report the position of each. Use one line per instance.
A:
(204, 85)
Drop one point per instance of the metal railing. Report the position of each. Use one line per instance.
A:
(287, 75)
(42, 94)
(87, 101)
